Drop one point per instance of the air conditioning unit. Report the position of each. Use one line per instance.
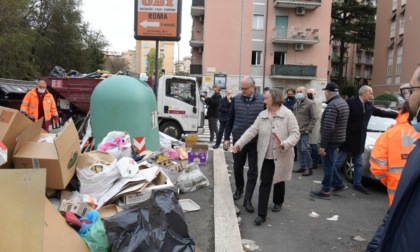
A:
(299, 47)
(300, 11)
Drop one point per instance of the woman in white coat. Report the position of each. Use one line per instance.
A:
(275, 156)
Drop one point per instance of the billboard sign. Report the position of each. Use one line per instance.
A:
(220, 80)
(158, 20)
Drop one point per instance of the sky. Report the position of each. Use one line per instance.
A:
(115, 19)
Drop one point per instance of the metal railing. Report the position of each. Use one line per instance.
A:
(295, 33)
(293, 70)
(197, 3)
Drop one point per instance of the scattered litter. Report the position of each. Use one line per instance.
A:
(339, 238)
(299, 177)
(334, 218)
(269, 225)
(317, 181)
(358, 238)
(249, 245)
(314, 215)
(188, 205)
(238, 211)
(239, 220)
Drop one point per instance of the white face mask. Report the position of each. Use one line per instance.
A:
(41, 91)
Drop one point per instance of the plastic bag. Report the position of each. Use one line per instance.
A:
(127, 167)
(97, 171)
(96, 238)
(116, 143)
(58, 72)
(156, 224)
(191, 179)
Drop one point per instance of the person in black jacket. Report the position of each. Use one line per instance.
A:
(361, 109)
(290, 99)
(245, 108)
(224, 108)
(213, 111)
(401, 226)
(333, 133)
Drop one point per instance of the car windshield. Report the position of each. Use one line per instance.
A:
(379, 124)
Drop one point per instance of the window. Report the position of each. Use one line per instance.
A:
(256, 58)
(146, 45)
(279, 58)
(389, 71)
(398, 69)
(183, 90)
(258, 22)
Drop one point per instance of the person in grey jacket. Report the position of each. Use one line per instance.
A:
(245, 108)
(275, 157)
(305, 113)
(333, 133)
(316, 158)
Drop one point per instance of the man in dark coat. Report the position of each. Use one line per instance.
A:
(401, 227)
(290, 99)
(224, 108)
(213, 111)
(245, 108)
(361, 109)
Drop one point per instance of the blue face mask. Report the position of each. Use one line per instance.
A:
(299, 96)
(415, 122)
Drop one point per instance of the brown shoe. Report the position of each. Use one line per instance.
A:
(307, 172)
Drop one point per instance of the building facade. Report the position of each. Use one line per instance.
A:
(166, 51)
(281, 43)
(184, 65)
(131, 57)
(396, 48)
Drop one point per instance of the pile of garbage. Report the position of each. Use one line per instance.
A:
(113, 196)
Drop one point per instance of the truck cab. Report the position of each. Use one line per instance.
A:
(180, 109)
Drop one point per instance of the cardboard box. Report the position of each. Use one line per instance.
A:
(58, 235)
(162, 181)
(199, 151)
(80, 209)
(59, 157)
(12, 124)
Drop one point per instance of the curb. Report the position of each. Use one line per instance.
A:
(227, 236)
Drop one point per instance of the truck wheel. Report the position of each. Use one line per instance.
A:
(348, 170)
(171, 129)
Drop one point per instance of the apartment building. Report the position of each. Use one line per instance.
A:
(130, 57)
(281, 43)
(165, 51)
(183, 65)
(358, 64)
(396, 44)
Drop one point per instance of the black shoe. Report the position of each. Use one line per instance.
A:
(361, 189)
(237, 194)
(307, 172)
(216, 146)
(320, 195)
(276, 208)
(259, 220)
(248, 206)
(339, 188)
(301, 170)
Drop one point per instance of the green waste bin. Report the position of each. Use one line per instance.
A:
(123, 103)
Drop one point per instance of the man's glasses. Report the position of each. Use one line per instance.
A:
(245, 89)
(406, 92)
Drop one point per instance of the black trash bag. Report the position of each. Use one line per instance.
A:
(58, 72)
(73, 73)
(157, 224)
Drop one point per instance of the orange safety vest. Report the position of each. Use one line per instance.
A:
(30, 105)
(391, 151)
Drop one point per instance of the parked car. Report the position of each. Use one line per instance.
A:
(376, 126)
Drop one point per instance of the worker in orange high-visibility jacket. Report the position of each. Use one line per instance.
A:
(391, 152)
(39, 103)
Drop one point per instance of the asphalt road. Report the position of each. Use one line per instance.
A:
(292, 229)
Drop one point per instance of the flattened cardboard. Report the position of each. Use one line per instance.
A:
(109, 210)
(58, 235)
(12, 124)
(59, 158)
(22, 209)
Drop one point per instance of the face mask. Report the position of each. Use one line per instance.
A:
(415, 121)
(41, 91)
(310, 96)
(290, 97)
(299, 96)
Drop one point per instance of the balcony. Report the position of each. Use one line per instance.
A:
(307, 4)
(197, 8)
(336, 59)
(295, 35)
(196, 39)
(298, 72)
(196, 69)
